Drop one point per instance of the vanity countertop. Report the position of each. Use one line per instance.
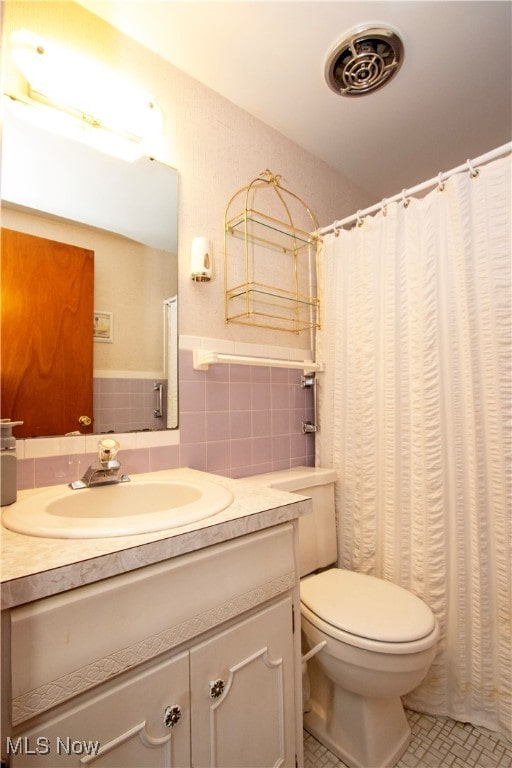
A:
(34, 567)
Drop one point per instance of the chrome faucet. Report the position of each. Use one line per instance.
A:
(106, 470)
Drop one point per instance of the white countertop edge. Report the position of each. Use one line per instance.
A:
(34, 567)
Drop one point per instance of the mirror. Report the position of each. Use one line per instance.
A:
(126, 213)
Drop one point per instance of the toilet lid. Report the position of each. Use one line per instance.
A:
(366, 606)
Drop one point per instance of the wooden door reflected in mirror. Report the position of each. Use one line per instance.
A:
(47, 340)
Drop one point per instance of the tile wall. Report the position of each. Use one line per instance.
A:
(239, 420)
(235, 420)
(126, 404)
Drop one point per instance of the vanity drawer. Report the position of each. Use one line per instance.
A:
(65, 644)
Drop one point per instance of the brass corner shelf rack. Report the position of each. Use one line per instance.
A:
(270, 263)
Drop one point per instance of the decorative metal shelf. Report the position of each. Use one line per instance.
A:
(273, 234)
(277, 293)
(254, 304)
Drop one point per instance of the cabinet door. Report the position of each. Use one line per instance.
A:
(129, 725)
(242, 691)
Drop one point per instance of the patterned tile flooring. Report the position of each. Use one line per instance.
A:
(435, 743)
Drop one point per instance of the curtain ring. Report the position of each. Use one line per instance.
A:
(360, 221)
(440, 182)
(405, 200)
(336, 232)
(474, 172)
(384, 206)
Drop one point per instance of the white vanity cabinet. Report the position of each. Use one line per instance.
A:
(190, 662)
(241, 723)
(122, 725)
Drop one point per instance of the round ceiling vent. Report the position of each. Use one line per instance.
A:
(366, 59)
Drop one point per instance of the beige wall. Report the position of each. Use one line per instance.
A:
(216, 147)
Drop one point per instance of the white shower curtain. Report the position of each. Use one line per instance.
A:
(415, 416)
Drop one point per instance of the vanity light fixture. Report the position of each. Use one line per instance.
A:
(81, 98)
(201, 260)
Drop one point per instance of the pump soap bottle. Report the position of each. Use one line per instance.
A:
(8, 461)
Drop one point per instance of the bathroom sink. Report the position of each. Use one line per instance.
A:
(141, 506)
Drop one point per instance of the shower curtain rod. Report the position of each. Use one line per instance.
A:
(469, 165)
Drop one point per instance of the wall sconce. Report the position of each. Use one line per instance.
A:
(200, 260)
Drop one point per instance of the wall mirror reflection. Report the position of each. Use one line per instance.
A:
(89, 286)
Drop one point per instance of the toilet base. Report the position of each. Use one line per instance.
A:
(362, 732)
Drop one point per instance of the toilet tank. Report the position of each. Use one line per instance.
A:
(317, 531)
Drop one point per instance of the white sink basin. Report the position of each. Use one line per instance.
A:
(140, 506)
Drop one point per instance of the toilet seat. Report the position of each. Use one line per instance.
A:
(367, 612)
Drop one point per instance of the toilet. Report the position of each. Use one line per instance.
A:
(367, 641)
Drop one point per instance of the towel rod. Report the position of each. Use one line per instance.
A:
(202, 358)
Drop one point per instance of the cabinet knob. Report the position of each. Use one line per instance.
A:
(85, 421)
(216, 688)
(172, 715)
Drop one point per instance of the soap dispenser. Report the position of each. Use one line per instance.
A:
(8, 462)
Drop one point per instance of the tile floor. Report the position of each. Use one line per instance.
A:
(435, 743)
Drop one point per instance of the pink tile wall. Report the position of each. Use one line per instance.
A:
(235, 420)
(239, 420)
(125, 405)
